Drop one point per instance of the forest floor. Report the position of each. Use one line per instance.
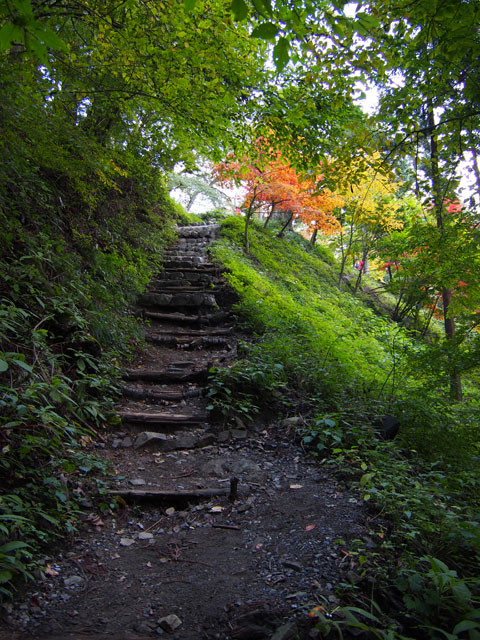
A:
(189, 554)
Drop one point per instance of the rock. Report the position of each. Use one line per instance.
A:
(170, 623)
(206, 441)
(116, 443)
(127, 442)
(145, 535)
(126, 542)
(287, 631)
(149, 437)
(137, 482)
(239, 434)
(73, 581)
(247, 470)
(223, 437)
(240, 424)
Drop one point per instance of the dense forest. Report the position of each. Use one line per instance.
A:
(354, 252)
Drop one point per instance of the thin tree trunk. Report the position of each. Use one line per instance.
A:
(449, 323)
(285, 226)
(313, 237)
(270, 214)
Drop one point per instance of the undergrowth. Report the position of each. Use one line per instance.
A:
(418, 576)
(82, 229)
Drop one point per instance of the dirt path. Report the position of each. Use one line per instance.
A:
(192, 555)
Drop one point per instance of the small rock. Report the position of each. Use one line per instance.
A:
(170, 623)
(206, 440)
(116, 443)
(137, 482)
(240, 424)
(127, 442)
(126, 542)
(287, 631)
(223, 437)
(239, 434)
(148, 437)
(73, 581)
(145, 535)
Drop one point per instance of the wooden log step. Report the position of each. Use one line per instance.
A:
(169, 395)
(165, 375)
(190, 342)
(184, 332)
(164, 494)
(186, 299)
(157, 418)
(187, 264)
(182, 286)
(212, 318)
(197, 277)
(188, 270)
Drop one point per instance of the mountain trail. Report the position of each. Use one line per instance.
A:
(226, 534)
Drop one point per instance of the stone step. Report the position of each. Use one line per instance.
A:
(158, 394)
(198, 231)
(163, 376)
(186, 299)
(191, 263)
(155, 441)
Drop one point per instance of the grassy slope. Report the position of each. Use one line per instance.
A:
(342, 356)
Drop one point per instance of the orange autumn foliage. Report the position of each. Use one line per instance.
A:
(273, 185)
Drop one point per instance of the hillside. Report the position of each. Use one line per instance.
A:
(312, 398)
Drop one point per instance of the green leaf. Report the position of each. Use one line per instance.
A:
(465, 625)
(9, 34)
(263, 6)
(3, 365)
(281, 54)
(5, 576)
(23, 365)
(266, 31)
(189, 4)
(239, 10)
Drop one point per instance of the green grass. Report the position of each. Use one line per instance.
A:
(351, 364)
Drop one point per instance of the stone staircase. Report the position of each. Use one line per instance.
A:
(188, 330)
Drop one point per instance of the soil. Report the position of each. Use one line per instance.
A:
(249, 562)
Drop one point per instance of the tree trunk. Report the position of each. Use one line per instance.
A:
(449, 323)
(285, 226)
(269, 216)
(313, 238)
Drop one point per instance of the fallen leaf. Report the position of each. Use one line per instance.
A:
(259, 545)
(217, 509)
(149, 564)
(310, 527)
(50, 572)
(170, 511)
(296, 486)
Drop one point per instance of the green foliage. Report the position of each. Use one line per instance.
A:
(251, 383)
(328, 342)
(419, 572)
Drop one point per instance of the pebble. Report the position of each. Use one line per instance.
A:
(170, 623)
(126, 542)
(145, 535)
(73, 581)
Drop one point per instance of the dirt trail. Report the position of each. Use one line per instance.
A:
(193, 555)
